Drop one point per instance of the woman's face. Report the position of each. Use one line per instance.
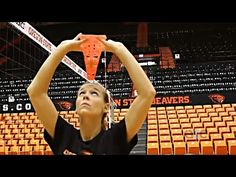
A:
(90, 101)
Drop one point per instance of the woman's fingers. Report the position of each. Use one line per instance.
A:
(78, 36)
(107, 43)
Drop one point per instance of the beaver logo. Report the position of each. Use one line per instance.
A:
(65, 105)
(217, 98)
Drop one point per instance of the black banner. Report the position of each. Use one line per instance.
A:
(69, 104)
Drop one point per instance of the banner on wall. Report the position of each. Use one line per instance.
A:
(69, 105)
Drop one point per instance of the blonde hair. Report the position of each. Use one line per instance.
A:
(108, 117)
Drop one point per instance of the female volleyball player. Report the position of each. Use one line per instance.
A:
(91, 106)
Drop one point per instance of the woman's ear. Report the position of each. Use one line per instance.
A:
(106, 108)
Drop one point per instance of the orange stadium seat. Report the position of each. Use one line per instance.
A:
(153, 148)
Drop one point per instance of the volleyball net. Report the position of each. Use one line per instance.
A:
(23, 49)
(37, 37)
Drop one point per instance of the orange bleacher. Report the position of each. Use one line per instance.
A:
(198, 129)
(177, 130)
(22, 133)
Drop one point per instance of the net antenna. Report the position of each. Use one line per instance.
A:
(112, 107)
(112, 104)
